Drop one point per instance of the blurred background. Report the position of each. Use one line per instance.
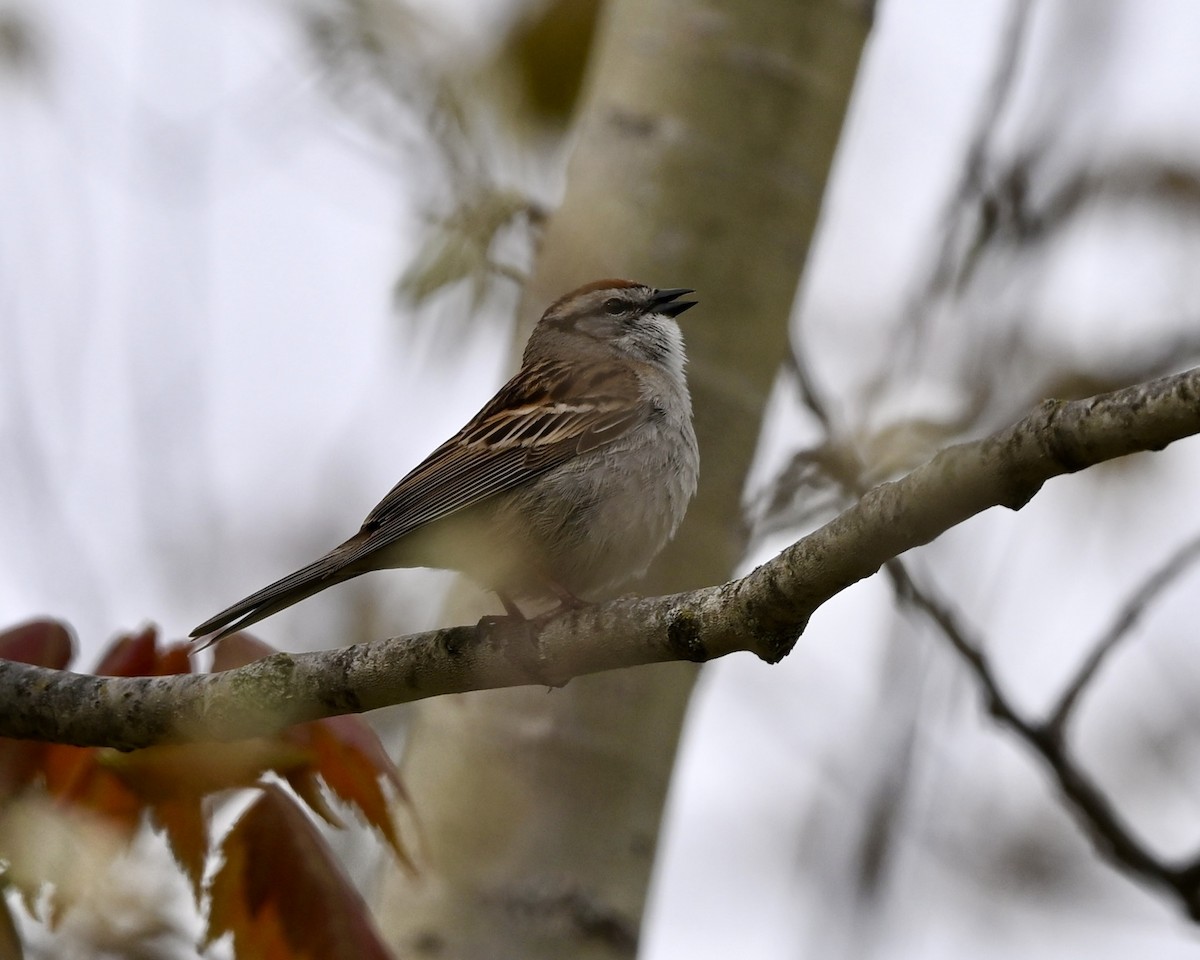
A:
(258, 258)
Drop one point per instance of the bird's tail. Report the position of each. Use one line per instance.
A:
(332, 568)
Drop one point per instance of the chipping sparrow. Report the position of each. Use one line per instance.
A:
(570, 480)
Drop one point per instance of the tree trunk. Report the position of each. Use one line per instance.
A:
(705, 140)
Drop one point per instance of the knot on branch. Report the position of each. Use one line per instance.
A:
(684, 635)
(1059, 441)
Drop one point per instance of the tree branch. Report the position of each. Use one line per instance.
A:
(763, 613)
(1127, 618)
(1111, 836)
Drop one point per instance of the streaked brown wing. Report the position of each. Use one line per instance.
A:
(519, 435)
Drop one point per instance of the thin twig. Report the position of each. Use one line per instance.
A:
(1112, 838)
(1126, 619)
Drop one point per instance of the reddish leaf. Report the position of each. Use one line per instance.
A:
(130, 655)
(43, 643)
(172, 780)
(73, 776)
(175, 660)
(19, 764)
(281, 894)
(189, 770)
(138, 655)
(186, 827)
(348, 756)
(239, 649)
(85, 777)
(307, 785)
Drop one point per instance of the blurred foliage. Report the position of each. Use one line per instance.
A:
(387, 67)
(548, 50)
(22, 45)
(67, 813)
(288, 914)
(475, 124)
(460, 247)
(970, 335)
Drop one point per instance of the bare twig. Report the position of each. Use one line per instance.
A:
(971, 194)
(1111, 836)
(965, 219)
(1127, 617)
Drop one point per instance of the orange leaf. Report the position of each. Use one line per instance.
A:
(138, 655)
(307, 785)
(171, 781)
(350, 759)
(44, 643)
(345, 751)
(73, 776)
(84, 776)
(186, 828)
(239, 649)
(190, 770)
(281, 893)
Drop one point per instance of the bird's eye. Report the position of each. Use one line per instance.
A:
(615, 307)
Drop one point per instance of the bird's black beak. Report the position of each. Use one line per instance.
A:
(667, 301)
